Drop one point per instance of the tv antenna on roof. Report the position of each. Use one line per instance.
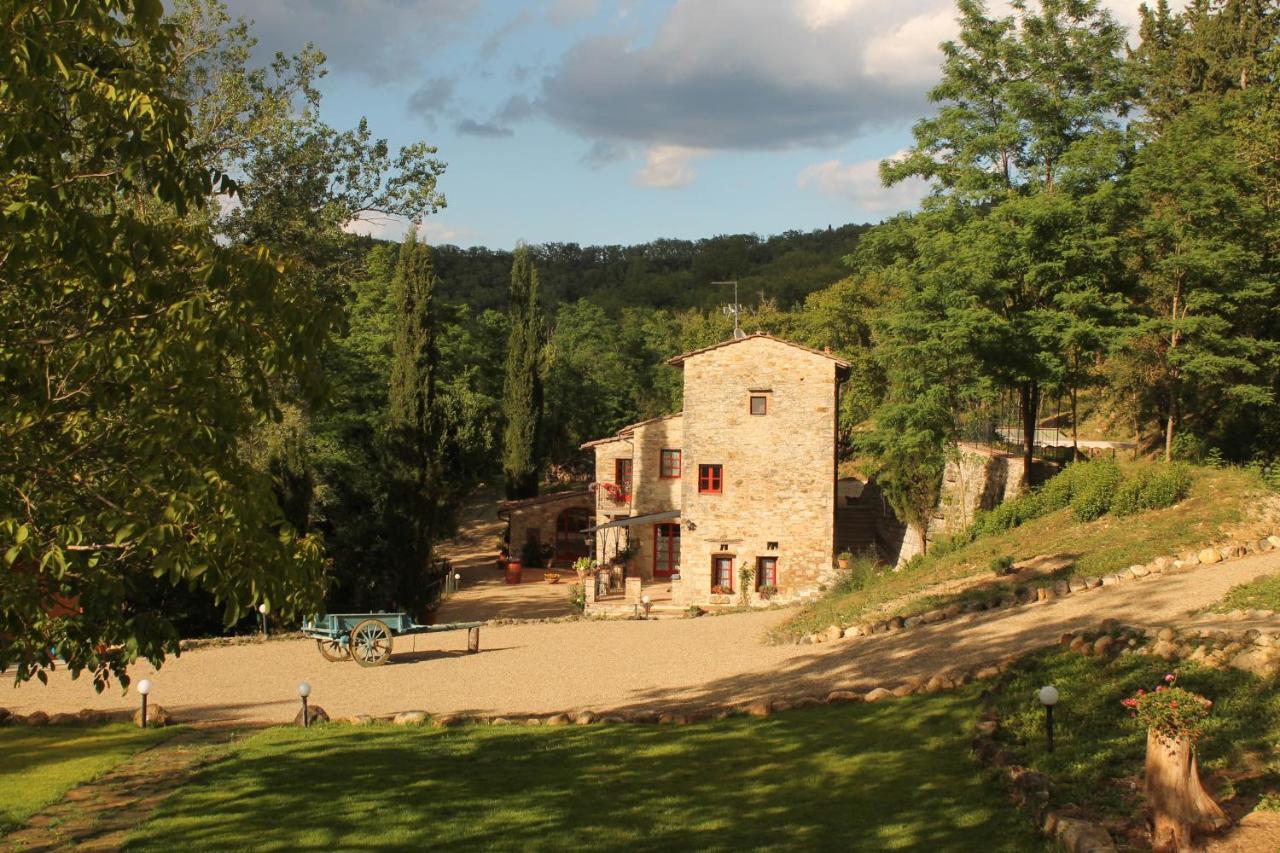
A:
(734, 310)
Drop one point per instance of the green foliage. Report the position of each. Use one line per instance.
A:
(1012, 513)
(578, 596)
(139, 354)
(862, 572)
(1170, 711)
(522, 402)
(1001, 565)
(1094, 486)
(907, 454)
(1152, 487)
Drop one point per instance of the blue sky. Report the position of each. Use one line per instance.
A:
(621, 121)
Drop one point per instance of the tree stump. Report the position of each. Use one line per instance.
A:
(1179, 804)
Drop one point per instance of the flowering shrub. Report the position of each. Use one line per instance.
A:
(612, 491)
(1169, 710)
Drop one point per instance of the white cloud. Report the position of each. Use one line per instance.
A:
(860, 184)
(910, 51)
(395, 227)
(669, 166)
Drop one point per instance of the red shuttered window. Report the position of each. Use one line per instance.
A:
(669, 465)
(710, 479)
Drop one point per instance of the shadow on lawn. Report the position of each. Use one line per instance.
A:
(870, 777)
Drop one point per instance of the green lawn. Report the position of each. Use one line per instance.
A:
(1260, 594)
(1099, 750)
(1219, 498)
(891, 776)
(39, 765)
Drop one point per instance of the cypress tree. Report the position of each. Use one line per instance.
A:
(522, 389)
(413, 424)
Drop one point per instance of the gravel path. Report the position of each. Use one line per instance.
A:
(599, 666)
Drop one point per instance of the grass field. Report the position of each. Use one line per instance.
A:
(39, 765)
(1219, 498)
(1260, 594)
(1099, 750)
(891, 776)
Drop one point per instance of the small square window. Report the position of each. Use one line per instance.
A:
(710, 479)
(759, 405)
(669, 465)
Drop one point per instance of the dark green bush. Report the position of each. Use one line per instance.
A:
(1008, 515)
(1002, 565)
(862, 571)
(1094, 485)
(1152, 487)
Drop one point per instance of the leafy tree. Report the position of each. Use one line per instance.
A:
(522, 392)
(1027, 128)
(1208, 285)
(137, 356)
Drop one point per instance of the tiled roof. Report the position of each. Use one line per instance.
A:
(544, 499)
(680, 359)
(627, 430)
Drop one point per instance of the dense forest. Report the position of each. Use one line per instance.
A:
(216, 398)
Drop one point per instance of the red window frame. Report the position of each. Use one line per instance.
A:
(710, 479)
(715, 568)
(764, 404)
(668, 568)
(622, 476)
(766, 572)
(669, 464)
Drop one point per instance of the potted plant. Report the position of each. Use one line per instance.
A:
(551, 576)
(583, 566)
(1174, 720)
(845, 559)
(767, 591)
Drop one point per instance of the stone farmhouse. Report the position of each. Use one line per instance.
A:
(743, 478)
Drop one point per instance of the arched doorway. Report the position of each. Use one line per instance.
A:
(571, 542)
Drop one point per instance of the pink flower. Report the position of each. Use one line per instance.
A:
(1170, 678)
(1141, 692)
(1161, 687)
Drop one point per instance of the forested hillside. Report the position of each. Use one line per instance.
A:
(660, 274)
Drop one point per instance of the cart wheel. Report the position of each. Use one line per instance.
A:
(371, 643)
(333, 650)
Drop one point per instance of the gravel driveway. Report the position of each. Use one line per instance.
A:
(600, 666)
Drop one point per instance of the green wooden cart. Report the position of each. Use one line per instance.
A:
(367, 638)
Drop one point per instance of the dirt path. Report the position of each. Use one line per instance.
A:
(484, 593)
(546, 668)
(98, 815)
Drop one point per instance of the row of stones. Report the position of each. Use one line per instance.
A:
(156, 715)
(1030, 595)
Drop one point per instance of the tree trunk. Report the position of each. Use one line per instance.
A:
(1029, 392)
(1179, 803)
(1075, 433)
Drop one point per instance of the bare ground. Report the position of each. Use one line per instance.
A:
(627, 666)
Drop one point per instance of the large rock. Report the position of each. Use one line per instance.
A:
(4, 715)
(157, 716)
(558, 720)
(933, 616)
(759, 708)
(878, 694)
(1102, 645)
(1209, 556)
(63, 720)
(1139, 571)
(1078, 584)
(585, 718)
(1167, 634)
(1262, 662)
(843, 696)
(854, 631)
(833, 633)
(411, 718)
(315, 714)
(1079, 836)
(360, 720)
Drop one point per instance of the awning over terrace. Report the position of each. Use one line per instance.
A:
(632, 520)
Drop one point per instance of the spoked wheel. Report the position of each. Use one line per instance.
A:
(333, 650)
(371, 643)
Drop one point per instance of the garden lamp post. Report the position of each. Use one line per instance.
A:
(457, 580)
(262, 610)
(304, 690)
(1048, 696)
(144, 687)
(647, 602)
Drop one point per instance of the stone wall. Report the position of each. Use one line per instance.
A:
(974, 478)
(537, 516)
(778, 496)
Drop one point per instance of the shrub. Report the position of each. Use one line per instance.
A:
(578, 597)
(1094, 485)
(862, 572)
(1008, 515)
(1002, 565)
(1152, 487)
